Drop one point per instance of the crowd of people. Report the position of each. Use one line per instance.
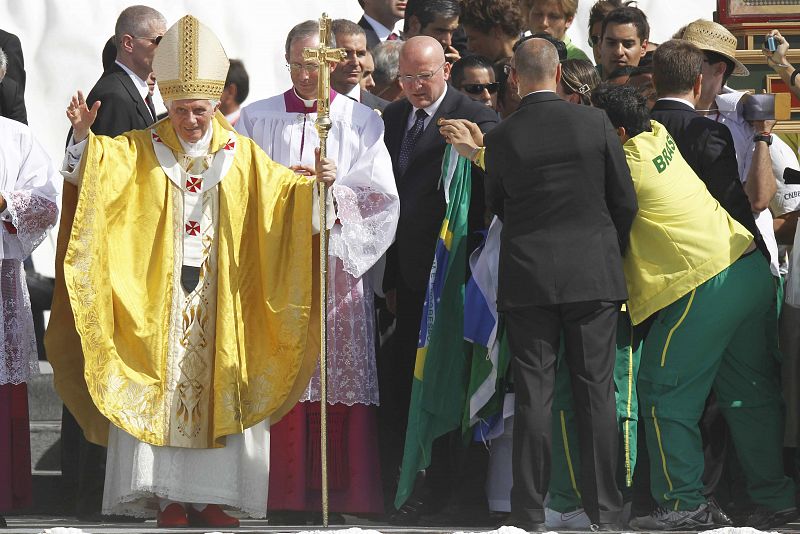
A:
(625, 241)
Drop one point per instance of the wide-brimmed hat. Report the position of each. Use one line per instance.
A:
(190, 62)
(713, 37)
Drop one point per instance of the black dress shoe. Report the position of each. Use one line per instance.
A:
(287, 518)
(409, 513)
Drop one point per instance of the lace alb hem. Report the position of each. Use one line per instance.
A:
(143, 503)
(32, 216)
(20, 357)
(368, 220)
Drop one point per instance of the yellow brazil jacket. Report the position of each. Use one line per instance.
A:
(681, 236)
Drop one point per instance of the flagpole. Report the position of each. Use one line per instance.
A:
(323, 55)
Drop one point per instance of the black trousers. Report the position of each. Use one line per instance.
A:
(534, 335)
(83, 468)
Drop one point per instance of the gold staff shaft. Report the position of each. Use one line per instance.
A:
(323, 55)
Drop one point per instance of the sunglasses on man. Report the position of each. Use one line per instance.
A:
(477, 88)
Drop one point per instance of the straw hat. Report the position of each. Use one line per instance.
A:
(707, 35)
(190, 62)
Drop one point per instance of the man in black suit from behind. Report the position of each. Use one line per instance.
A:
(417, 149)
(124, 105)
(557, 178)
(346, 77)
(12, 102)
(379, 19)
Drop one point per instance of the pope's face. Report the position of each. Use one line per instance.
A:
(304, 74)
(191, 118)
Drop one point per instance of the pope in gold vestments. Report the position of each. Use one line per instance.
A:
(119, 269)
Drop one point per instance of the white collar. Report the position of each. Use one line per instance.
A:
(431, 110)
(382, 31)
(140, 84)
(540, 91)
(306, 103)
(199, 147)
(675, 99)
(355, 93)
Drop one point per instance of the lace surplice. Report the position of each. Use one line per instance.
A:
(30, 216)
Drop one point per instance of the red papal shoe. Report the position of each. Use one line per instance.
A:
(211, 516)
(173, 516)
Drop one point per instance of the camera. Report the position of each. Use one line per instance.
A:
(769, 43)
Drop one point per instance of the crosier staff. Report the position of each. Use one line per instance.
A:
(323, 55)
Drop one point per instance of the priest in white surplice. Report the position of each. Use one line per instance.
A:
(363, 227)
(189, 273)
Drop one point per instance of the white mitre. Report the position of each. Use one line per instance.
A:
(190, 62)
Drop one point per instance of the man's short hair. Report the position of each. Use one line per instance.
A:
(136, 21)
(561, 48)
(483, 15)
(713, 58)
(539, 65)
(3, 64)
(346, 27)
(625, 106)
(676, 65)
(238, 74)
(309, 28)
(427, 11)
(600, 9)
(629, 15)
(468, 62)
(386, 56)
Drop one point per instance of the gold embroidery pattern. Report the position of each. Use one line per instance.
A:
(170, 89)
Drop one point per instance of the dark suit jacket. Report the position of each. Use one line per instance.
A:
(707, 146)
(422, 203)
(372, 101)
(372, 37)
(557, 176)
(16, 64)
(12, 103)
(121, 106)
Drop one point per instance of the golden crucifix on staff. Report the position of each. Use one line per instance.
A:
(323, 55)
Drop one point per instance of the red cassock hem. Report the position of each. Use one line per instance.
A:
(15, 448)
(354, 478)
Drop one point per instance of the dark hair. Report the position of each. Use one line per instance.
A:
(483, 15)
(713, 58)
(346, 27)
(238, 75)
(578, 76)
(626, 71)
(426, 11)
(625, 106)
(600, 9)
(109, 55)
(468, 62)
(676, 65)
(561, 48)
(629, 15)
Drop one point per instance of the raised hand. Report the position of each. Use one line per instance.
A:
(81, 116)
(465, 136)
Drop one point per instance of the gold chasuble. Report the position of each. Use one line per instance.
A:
(239, 360)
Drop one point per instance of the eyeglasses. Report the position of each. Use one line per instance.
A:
(594, 40)
(423, 77)
(308, 67)
(477, 88)
(153, 40)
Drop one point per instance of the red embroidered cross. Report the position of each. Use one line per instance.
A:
(230, 145)
(156, 138)
(194, 184)
(193, 228)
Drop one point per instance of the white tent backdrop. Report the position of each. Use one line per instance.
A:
(62, 42)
